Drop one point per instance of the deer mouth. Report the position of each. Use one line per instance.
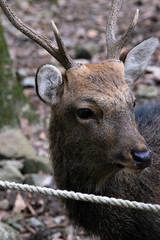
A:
(133, 163)
(111, 169)
(119, 165)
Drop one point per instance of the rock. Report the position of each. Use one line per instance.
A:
(13, 221)
(155, 71)
(81, 61)
(22, 72)
(83, 53)
(37, 164)
(57, 236)
(28, 82)
(33, 222)
(139, 3)
(10, 173)
(38, 180)
(148, 92)
(88, 50)
(4, 204)
(8, 233)
(59, 219)
(14, 163)
(80, 33)
(15, 145)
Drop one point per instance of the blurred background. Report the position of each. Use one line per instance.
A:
(24, 118)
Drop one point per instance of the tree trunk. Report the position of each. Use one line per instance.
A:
(12, 100)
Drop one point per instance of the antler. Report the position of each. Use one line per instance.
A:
(114, 46)
(60, 53)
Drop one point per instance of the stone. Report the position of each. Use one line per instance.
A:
(15, 145)
(86, 51)
(28, 82)
(15, 163)
(59, 219)
(38, 180)
(8, 233)
(33, 222)
(81, 61)
(4, 204)
(11, 174)
(37, 164)
(13, 221)
(57, 236)
(155, 71)
(148, 92)
(22, 72)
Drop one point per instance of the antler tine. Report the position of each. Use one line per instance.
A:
(64, 59)
(128, 32)
(112, 19)
(61, 46)
(114, 46)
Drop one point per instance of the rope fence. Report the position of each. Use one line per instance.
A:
(79, 196)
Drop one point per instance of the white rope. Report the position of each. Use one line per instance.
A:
(79, 196)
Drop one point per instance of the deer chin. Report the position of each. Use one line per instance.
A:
(107, 173)
(133, 169)
(114, 168)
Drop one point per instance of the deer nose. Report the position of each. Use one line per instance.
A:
(142, 159)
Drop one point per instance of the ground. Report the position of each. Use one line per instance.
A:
(81, 23)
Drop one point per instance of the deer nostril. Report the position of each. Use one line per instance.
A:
(142, 159)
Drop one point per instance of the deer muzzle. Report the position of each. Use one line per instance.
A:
(142, 159)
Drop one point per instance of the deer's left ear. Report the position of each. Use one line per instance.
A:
(49, 84)
(137, 59)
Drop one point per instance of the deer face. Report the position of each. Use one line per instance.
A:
(93, 119)
(102, 106)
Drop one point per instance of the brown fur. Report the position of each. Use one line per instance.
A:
(92, 156)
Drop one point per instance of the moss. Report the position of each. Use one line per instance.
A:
(12, 98)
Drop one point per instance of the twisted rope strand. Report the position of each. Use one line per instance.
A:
(82, 197)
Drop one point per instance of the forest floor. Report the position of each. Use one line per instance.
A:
(82, 26)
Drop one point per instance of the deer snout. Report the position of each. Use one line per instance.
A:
(141, 159)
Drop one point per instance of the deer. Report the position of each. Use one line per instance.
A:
(100, 143)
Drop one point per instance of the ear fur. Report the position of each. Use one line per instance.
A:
(137, 59)
(49, 83)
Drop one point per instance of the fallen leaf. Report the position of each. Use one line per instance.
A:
(92, 33)
(42, 135)
(19, 204)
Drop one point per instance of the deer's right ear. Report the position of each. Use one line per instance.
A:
(136, 60)
(49, 84)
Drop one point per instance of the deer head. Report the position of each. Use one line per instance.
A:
(92, 131)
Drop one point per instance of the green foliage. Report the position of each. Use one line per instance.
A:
(55, 1)
(12, 99)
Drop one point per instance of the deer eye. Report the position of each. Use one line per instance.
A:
(84, 113)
